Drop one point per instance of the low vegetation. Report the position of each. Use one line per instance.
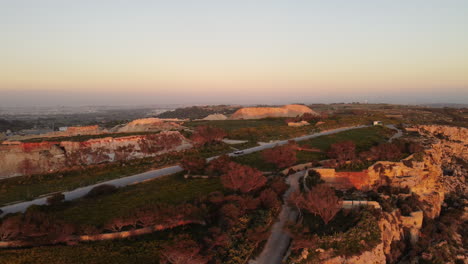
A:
(362, 138)
(233, 219)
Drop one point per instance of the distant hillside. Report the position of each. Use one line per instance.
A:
(199, 112)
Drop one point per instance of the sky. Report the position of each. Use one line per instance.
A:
(87, 52)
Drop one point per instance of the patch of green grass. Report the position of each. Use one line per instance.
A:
(256, 130)
(255, 160)
(80, 138)
(30, 187)
(229, 125)
(173, 189)
(364, 138)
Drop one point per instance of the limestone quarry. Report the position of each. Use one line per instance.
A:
(265, 112)
(18, 158)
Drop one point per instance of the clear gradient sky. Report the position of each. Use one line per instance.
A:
(243, 51)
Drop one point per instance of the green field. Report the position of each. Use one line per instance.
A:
(173, 189)
(80, 138)
(30, 187)
(364, 138)
(257, 130)
(230, 125)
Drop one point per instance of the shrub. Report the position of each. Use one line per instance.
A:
(278, 185)
(218, 166)
(207, 135)
(193, 164)
(312, 180)
(99, 190)
(343, 151)
(282, 156)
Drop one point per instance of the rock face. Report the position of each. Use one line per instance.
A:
(146, 124)
(18, 158)
(264, 112)
(375, 256)
(452, 133)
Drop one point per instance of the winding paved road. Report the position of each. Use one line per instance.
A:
(278, 242)
(138, 178)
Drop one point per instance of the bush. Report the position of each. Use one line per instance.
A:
(56, 199)
(99, 190)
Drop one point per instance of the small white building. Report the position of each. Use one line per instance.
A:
(63, 129)
(377, 123)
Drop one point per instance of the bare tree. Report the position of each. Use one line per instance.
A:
(320, 200)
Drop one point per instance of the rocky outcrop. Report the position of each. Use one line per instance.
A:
(146, 124)
(265, 112)
(17, 158)
(452, 149)
(215, 117)
(375, 256)
(451, 133)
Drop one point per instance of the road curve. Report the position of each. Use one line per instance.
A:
(279, 240)
(141, 177)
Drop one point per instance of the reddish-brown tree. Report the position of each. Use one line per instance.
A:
(217, 238)
(310, 117)
(193, 164)
(242, 178)
(218, 166)
(343, 151)
(281, 156)
(384, 151)
(183, 251)
(320, 200)
(244, 202)
(269, 199)
(206, 135)
(279, 185)
(230, 213)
